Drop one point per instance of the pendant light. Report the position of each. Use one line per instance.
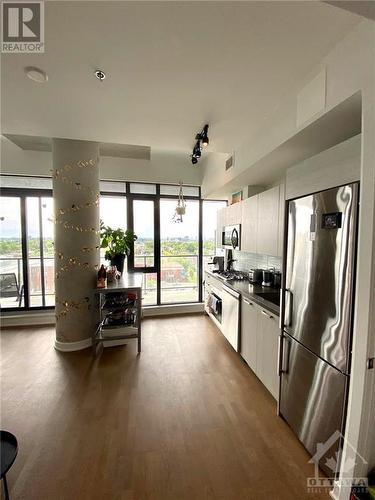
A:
(180, 209)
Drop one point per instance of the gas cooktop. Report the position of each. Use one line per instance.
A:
(232, 275)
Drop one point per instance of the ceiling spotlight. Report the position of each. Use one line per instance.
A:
(100, 75)
(204, 136)
(36, 74)
(194, 160)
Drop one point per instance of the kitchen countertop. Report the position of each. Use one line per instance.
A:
(128, 281)
(249, 290)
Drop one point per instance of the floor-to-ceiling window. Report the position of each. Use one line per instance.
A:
(26, 248)
(171, 255)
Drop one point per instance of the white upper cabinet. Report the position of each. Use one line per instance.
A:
(262, 222)
(268, 221)
(249, 224)
(233, 214)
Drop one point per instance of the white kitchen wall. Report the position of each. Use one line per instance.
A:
(247, 260)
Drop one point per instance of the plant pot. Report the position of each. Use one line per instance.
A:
(118, 261)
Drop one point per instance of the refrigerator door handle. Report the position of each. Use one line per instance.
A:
(280, 352)
(289, 310)
(282, 302)
(285, 351)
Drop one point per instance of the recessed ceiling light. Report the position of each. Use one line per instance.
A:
(100, 75)
(36, 74)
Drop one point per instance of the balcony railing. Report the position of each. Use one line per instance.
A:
(14, 265)
(179, 279)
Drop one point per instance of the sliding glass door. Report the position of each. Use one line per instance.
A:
(179, 248)
(144, 222)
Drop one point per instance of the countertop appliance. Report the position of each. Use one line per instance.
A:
(268, 277)
(230, 315)
(256, 275)
(317, 305)
(231, 237)
(218, 262)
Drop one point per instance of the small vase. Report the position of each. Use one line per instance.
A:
(118, 261)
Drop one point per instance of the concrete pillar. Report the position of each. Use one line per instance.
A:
(76, 206)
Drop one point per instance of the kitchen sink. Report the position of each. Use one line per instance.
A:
(273, 297)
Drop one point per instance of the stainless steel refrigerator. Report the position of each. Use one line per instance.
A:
(316, 317)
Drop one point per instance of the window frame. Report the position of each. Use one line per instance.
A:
(24, 193)
(157, 246)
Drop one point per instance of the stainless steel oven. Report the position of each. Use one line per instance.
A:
(231, 237)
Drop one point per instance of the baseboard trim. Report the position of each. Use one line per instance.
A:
(168, 310)
(23, 318)
(73, 346)
(41, 318)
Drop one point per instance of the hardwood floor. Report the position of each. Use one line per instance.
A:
(185, 420)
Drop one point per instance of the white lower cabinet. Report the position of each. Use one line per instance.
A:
(249, 319)
(259, 343)
(267, 351)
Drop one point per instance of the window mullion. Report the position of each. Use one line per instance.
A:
(25, 262)
(41, 252)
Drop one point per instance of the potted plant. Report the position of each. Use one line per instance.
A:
(119, 244)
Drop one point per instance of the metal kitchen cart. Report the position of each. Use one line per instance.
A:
(120, 309)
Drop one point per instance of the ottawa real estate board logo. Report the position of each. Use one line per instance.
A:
(22, 27)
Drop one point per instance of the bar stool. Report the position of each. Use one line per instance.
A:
(9, 450)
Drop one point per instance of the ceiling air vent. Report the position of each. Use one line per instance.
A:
(229, 163)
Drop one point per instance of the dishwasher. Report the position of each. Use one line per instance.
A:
(230, 315)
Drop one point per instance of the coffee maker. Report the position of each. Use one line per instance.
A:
(218, 262)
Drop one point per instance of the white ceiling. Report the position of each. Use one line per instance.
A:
(171, 67)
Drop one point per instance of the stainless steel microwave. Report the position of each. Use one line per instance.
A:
(231, 238)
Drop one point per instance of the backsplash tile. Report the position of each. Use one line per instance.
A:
(247, 260)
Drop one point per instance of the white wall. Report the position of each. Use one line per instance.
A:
(347, 67)
(164, 166)
(336, 166)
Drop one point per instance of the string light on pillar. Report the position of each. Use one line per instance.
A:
(74, 262)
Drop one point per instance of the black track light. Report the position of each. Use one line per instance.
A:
(197, 149)
(204, 136)
(202, 140)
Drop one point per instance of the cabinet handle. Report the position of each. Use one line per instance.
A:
(265, 314)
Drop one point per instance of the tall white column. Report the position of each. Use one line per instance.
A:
(76, 206)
